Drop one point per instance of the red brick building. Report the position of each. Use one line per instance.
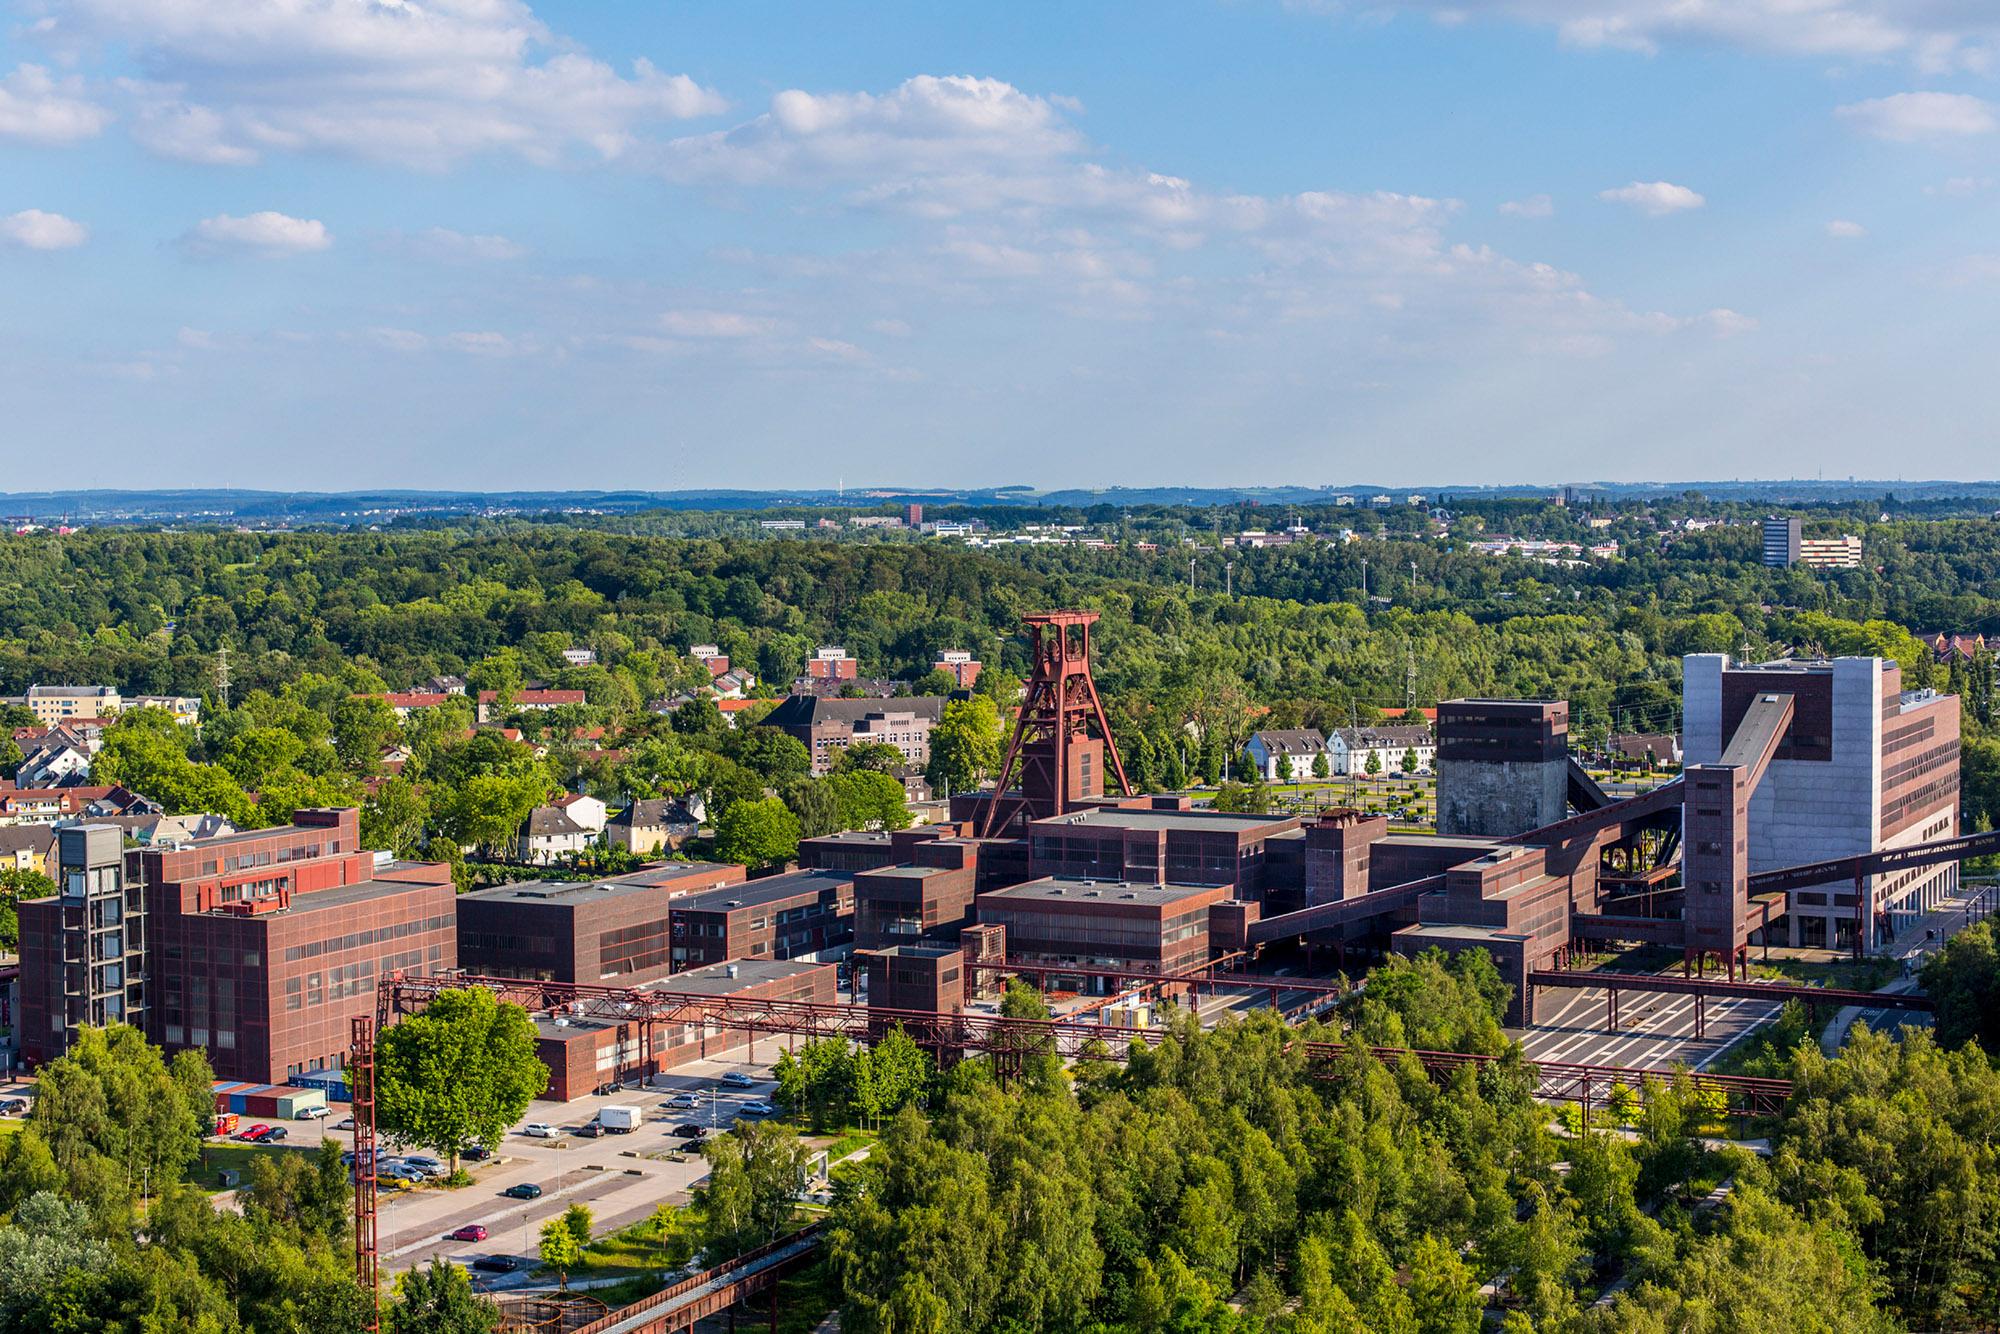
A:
(790, 916)
(592, 932)
(586, 1054)
(1105, 924)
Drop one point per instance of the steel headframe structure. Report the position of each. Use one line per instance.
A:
(1061, 702)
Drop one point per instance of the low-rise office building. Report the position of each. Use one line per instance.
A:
(1104, 924)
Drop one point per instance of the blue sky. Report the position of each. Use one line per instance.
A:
(342, 243)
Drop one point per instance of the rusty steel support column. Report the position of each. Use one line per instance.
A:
(361, 1087)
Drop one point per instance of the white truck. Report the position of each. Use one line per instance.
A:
(620, 1120)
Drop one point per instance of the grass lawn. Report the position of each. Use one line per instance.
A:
(1846, 974)
(219, 1155)
(846, 1142)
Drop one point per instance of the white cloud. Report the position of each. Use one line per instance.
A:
(891, 328)
(444, 244)
(267, 234)
(32, 229)
(1905, 117)
(1933, 35)
(399, 340)
(1961, 187)
(1844, 230)
(420, 82)
(715, 324)
(40, 109)
(1727, 323)
(1534, 206)
(1655, 199)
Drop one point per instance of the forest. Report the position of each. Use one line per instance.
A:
(313, 621)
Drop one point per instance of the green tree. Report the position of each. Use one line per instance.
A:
(1443, 1294)
(439, 1299)
(755, 1174)
(965, 745)
(1374, 765)
(868, 757)
(757, 833)
(559, 1249)
(1409, 762)
(1320, 767)
(111, 1098)
(464, 1069)
(869, 800)
(1963, 979)
(17, 884)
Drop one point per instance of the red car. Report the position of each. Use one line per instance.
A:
(256, 1134)
(470, 1232)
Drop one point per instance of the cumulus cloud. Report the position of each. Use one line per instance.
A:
(37, 108)
(1904, 117)
(1937, 36)
(1534, 206)
(420, 82)
(1655, 199)
(32, 229)
(714, 324)
(444, 244)
(1844, 230)
(267, 234)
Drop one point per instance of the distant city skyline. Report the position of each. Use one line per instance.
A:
(332, 245)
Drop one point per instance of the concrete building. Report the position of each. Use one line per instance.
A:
(1863, 766)
(831, 663)
(800, 915)
(56, 704)
(1150, 928)
(587, 932)
(258, 947)
(960, 665)
(584, 1055)
(1502, 766)
(825, 727)
(1785, 545)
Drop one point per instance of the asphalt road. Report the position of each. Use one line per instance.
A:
(1655, 1032)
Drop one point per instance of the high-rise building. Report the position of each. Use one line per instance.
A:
(1781, 542)
(1863, 766)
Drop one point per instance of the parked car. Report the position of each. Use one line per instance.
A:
(275, 1133)
(589, 1130)
(758, 1107)
(496, 1264)
(527, 1190)
(13, 1106)
(682, 1100)
(425, 1164)
(311, 1114)
(475, 1153)
(344, 1123)
(540, 1130)
(470, 1232)
(736, 1079)
(689, 1130)
(256, 1134)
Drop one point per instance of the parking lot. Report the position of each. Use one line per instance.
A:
(622, 1177)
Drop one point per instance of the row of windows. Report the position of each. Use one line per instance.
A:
(356, 939)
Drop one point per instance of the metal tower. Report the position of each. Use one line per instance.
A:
(361, 1084)
(1052, 758)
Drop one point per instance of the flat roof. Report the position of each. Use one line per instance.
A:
(571, 893)
(715, 979)
(757, 893)
(912, 951)
(1116, 818)
(907, 872)
(343, 896)
(1457, 931)
(1074, 889)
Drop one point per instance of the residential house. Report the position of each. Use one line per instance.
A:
(654, 825)
(28, 847)
(392, 759)
(1654, 750)
(1349, 748)
(1286, 755)
(579, 657)
(537, 698)
(406, 702)
(54, 764)
(587, 811)
(960, 665)
(734, 683)
(549, 836)
(446, 685)
(710, 656)
(186, 709)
